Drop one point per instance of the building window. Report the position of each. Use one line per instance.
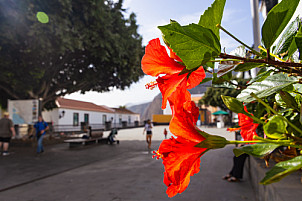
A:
(120, 119)
(129, 119)
(75, 119)
(104, 118)
(86, 118)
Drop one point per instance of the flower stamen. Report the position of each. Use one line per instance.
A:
(157, 155)
(151, 85)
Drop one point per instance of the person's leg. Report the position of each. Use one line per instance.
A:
(237, 170)
(5, 148)
(40, 145)
(149, 141)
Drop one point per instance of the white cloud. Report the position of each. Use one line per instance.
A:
(126, 3)
(151, 31)
(191, 18)
(232, 16)
(136, 94)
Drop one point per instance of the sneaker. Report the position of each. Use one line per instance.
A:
(5, 154)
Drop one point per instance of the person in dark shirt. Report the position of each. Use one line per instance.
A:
(6, 132)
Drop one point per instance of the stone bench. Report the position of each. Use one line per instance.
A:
(83, 141)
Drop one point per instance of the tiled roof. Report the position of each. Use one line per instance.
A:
(81, 105)
(123, 111)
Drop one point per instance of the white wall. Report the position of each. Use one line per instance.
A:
(94, 117)
(51, 116)
(125, 117)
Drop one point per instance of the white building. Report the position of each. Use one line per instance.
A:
(71, 115)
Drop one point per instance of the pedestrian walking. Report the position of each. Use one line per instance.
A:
(7, 131)
(148, 129)
(165, 133)
(41, 126)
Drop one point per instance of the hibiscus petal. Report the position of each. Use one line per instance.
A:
(247, 126)
(181, 160)
(156, 60)
(168, 84)
(196, 77)
(185, 115)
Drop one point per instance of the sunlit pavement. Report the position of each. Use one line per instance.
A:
(113, 173)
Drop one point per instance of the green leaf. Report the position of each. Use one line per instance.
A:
(247, 66)
(194, 44)
(298, 41)
(222, 79)
(233, 104)
(257, 150)
(292, 48)
(275, 128)
(42, 17)
(286, 38)
(282, 169)
(259, 111)
(212, 16)
(213, 142)
(289, 100)
(277, 20)
(207, 79)
(267, 87)
(260, 77)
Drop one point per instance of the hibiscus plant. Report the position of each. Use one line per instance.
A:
(275, 94)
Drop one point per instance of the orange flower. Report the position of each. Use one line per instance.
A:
(180, 156)
(181, 160)
(247, 126)
(156, 62)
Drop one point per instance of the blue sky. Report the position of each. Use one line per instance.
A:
(152, 13)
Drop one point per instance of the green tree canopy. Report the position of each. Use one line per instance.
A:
(213, 98)
(85, 45)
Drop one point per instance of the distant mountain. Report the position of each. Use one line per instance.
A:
(146, 110)
(139, 109)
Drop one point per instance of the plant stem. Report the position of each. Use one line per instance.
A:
(261, 48)
(253, 117)
(286, 65)
(276, 113)
(241, 142)
(280, 142)
(239, 41)
(272, 141)
(220, 60)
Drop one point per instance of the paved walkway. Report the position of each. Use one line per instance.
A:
(124, 172)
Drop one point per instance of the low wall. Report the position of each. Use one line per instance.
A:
(288, 189)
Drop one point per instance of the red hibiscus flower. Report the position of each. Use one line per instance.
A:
(247, 127)
(156, 62)
(180, 156)
(181, 160)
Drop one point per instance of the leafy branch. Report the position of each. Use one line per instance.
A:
(286, 65)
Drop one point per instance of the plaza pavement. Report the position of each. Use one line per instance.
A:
(124, 172)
